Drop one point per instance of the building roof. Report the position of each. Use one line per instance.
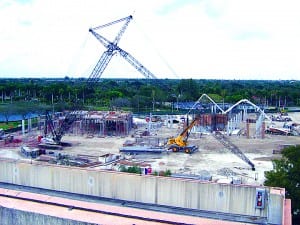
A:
(94, 212)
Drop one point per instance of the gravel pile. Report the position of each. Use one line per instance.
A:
(226, 172)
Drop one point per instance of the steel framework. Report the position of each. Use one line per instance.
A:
(113, 48)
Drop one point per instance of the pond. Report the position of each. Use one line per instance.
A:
(16, 117)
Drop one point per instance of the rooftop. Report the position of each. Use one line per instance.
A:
(94, 212)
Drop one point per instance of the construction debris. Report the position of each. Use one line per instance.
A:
(97, 141)
(226, 172)
(193, 176)
(137, 149)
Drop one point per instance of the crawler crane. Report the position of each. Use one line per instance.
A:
(180, 143)
(57, 133)
(112, 48)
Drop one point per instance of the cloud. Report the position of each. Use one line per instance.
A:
(227, 39)
(173, 5)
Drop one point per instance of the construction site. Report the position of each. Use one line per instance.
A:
(238, 154)
(204, 164)
(215, 147)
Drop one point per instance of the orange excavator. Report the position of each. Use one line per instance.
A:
(180, 143)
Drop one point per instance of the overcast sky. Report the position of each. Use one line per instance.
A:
(199, 39)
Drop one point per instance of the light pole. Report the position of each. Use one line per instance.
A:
(177, 100)
(52, 104)
(153, 100)
(178, 96)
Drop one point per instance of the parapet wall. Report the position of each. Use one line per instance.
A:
(234, 199)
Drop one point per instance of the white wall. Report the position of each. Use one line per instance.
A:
(235, 199)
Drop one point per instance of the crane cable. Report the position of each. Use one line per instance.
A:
(147, 38)
(76, 58)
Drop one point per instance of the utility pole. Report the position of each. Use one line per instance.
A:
(153, 100)
(52, 104)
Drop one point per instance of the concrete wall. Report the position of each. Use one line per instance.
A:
(16, 217)
(147, 189)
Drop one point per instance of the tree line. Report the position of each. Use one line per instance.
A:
(143, 95)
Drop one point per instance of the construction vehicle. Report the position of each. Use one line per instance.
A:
(112, 48)
(8, 138)
(180, 143)
(56, 133)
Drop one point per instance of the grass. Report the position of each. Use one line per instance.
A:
(9, 125)
(14, 124)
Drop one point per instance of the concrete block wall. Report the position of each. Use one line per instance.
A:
(235, 199)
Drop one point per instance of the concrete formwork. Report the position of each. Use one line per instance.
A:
(212, 122)
(191, 194)
(104, 123)
(100, 123)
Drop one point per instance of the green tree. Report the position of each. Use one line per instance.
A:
(131, 169)
(286, 174)
(189, 89)
(7, 110)
(120, 102)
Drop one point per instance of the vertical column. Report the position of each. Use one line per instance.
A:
(240, 119)
(263, 130)
(23, 127)
(245, 114)
(118, 127)
(39, 123)
(126, 127)
(150, 123)
(29, 125)
(247, 129)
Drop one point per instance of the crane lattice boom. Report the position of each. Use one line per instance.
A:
(113, 48)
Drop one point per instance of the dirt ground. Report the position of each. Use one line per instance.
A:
(212, 159)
